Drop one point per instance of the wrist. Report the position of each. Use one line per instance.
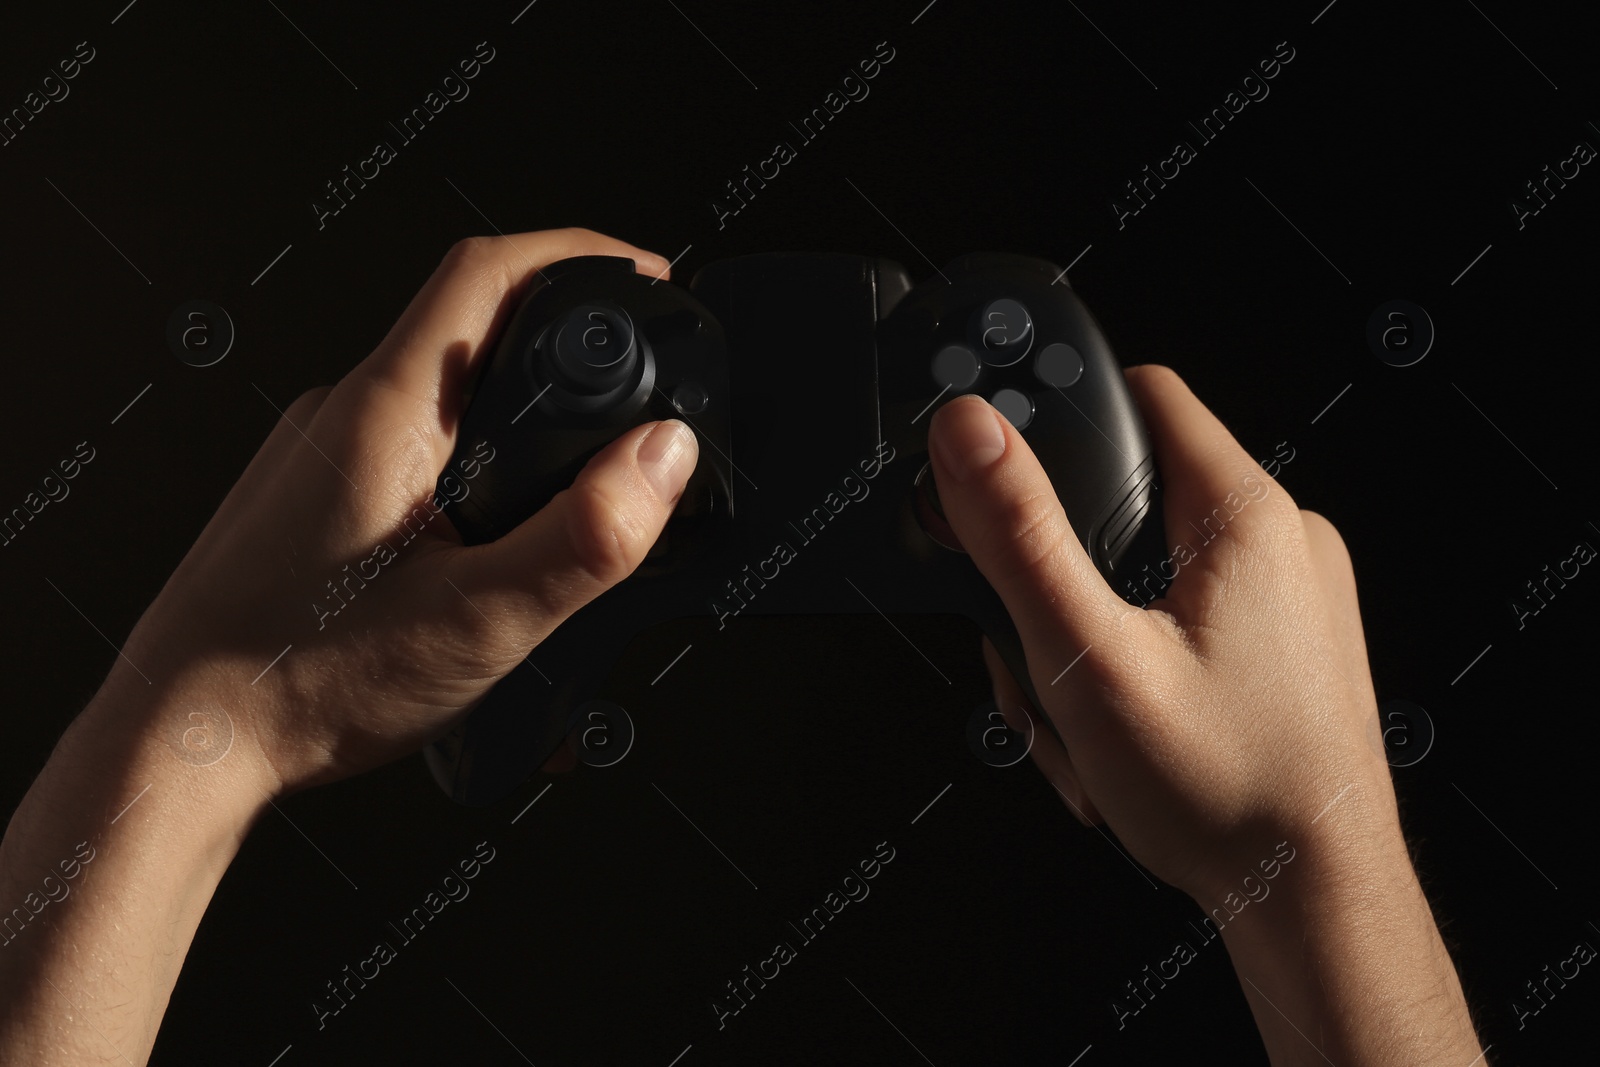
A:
(1342, 946)
(1317, 882)
(113, 854)
(1349, 822)
(164, 769)
(192, 735)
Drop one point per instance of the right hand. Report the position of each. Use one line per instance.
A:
(1225, 717)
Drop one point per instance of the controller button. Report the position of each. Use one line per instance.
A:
(1015, 405)
(1005, 331)
(690, 398)
(1059, 365)
(956, 367)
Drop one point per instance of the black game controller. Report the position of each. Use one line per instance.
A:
(810, 381)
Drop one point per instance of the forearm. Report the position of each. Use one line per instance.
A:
(105, 871)
(1343, 962)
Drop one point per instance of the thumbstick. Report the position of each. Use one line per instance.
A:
(592, 361)
(594, 349)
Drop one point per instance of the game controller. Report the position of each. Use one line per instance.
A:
(810, 380)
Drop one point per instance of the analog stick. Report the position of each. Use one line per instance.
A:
(590, 355)
(594, 348)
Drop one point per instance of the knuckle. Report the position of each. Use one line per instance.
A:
(1034, 530)
(467, 252)
(606, 537)
(1156, 376)
(1157, 372)
(1324, 535)
(484, 261)
(1319, 525)
(1273, 514)
(306, 404)
(1281, 514)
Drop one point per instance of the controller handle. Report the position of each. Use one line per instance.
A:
(592, 350)
(1007, 328)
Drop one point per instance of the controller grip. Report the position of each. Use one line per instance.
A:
(1002, 634)
(522, 720)
(503, 740)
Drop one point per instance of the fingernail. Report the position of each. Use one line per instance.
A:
(666, 456)
(968, 438)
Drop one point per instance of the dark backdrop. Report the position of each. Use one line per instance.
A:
(1383, 165)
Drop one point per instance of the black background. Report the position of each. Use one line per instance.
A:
(1395, 141)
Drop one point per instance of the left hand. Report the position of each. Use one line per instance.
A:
(428, 626)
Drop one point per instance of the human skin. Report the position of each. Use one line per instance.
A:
(1233, 714)
(1202, 733)
(195, 732)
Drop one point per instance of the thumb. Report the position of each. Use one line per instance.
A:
(590, 536)
(1002, 507)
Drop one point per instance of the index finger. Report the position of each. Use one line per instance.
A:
(1218, 501)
